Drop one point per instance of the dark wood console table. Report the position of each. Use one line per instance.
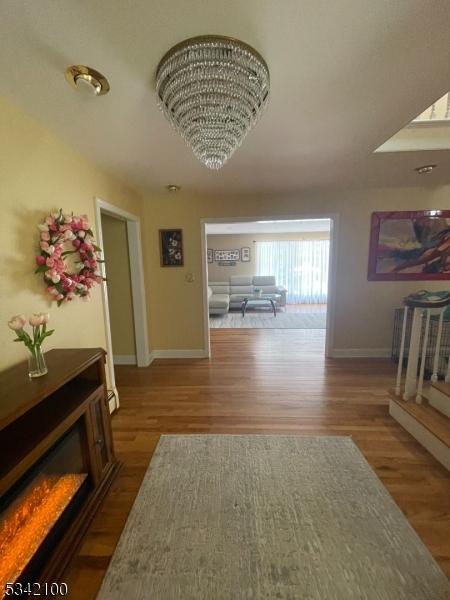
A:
(55, 435)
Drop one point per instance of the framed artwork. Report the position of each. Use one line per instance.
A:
(409, 245)
(245, 254)
(210, 255)
(171, 247)
(221, 255)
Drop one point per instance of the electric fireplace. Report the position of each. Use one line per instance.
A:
(57, 463)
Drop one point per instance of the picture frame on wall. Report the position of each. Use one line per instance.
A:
(245, 254)
(409, 245)
(210, 255)
(224, 255)
(171, 247)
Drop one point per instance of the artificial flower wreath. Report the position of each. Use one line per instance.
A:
(58, 230)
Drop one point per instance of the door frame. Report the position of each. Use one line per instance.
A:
(138, 294)
(331, 303)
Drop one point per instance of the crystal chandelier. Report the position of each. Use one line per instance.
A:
(213, 90)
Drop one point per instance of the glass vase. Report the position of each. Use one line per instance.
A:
(36, 363)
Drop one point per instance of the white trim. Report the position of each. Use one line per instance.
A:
(334, 228)
(137, 288)
(428, 440)
(124, 359)
(360, 353)
(196, 353)
(438, 400)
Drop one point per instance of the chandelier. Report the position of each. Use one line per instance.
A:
(213, 90)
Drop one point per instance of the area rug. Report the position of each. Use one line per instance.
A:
(266, 320)
(267, 517)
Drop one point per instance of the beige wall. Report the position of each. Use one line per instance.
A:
(39, 173)
(115, 249)
(236, 242)
(363, 308)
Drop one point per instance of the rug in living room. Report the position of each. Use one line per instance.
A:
(266, 320)
(266, 516)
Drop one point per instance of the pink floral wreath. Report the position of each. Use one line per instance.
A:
(57, 230)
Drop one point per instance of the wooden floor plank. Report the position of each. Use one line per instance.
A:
(264, 381)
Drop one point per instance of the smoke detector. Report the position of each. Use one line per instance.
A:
(87, 79)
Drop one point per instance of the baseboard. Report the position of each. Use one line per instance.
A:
(124, 359)
(197, 353)
(360, 353)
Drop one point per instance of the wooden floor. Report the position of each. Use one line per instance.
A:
(264, 381)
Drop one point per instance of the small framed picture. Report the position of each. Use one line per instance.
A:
(245, 254)
(221, 255)
(210, 255)
(171, 247)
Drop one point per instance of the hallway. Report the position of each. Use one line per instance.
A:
(264, 381)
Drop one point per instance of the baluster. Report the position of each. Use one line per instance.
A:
(437, 351)
(447, 112)
(433, 112)
(413, 355)
(424, 358)
(401, 353)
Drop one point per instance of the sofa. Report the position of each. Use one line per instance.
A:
(230, 294)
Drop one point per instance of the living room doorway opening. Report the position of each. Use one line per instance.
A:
(270, 274)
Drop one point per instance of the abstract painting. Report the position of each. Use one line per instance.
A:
(171, 247)
(409, 245)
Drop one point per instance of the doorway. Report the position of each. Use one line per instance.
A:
(118, 283)
(271, 273)
(124, 299)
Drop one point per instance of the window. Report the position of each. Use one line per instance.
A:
(300, 266)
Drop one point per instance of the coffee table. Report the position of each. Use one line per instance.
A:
(263, 300)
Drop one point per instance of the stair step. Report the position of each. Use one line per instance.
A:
(442, 387)
(438, 395)
(430, 427)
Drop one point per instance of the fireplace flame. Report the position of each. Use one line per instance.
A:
(29, 518)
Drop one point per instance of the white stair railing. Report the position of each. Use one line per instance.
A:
(413, 355)
(437, 352)
(402, 353)
(423, 358)
(423, 306)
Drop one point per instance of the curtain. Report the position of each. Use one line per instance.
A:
(300, 266)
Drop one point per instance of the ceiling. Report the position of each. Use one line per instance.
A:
(345, 76)
(281, 226)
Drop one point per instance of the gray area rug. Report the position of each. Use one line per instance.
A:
(266, 320)
(267, 517)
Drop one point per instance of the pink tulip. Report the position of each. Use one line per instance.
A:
(44, 246)
(45, 236)
(36, 319)
(17, 322)
(40, 260)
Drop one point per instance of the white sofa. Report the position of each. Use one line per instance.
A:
(225, 295)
